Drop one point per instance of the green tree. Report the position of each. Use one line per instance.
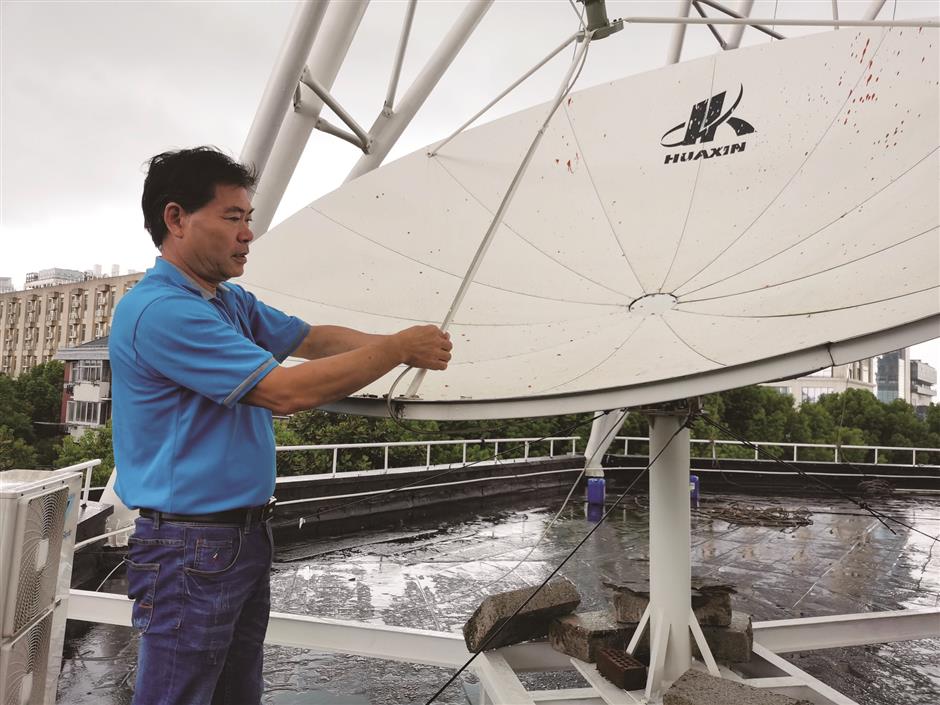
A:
(40, 390)
(93, 443)
(15, 452)
(14, 415)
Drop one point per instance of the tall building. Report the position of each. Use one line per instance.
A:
(894, 380)
(36, 322)
(6, 284)
(52, 277)
(923, 379)
(832, 380)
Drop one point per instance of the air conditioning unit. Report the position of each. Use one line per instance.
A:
(38, 519)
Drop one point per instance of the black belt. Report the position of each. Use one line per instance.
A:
(248, 515)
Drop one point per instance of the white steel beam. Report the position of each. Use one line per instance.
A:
(399, 57)
(670, 551)
(280, 88)
(678, 33)
(387, 129)
(788, 635)
(822, 694)
(873, 9)
(608, 692)
(326, 57)
(734, 41)
(342, 636)
(779, 22)
(499, 681)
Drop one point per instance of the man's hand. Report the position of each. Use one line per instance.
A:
(424, 347)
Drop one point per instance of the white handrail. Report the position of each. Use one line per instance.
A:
(525, 443)
(836, 449)
(86, 468)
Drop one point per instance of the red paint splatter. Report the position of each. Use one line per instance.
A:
(864, 50)
(845, 122)
(868, 80)
(558, 161)
(568, 164)
(870, 62)
(569, 101)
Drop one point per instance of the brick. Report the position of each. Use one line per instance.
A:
(582, 635)
(697, 688)
(559, 597)
(731, 644)
(621, 669)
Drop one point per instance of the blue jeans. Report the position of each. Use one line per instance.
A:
(201, 601)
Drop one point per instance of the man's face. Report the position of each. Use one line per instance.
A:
(216, 237)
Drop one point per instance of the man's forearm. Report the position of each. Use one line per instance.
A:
(286, 390)
(325, 341)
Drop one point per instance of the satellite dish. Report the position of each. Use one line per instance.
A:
(749, 216)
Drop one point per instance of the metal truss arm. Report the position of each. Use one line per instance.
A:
(399, 57)
(678, 33)
(734, 41)
(326, 57)
(711, 28)
(280, 88)
(386, 130)
(506, 92)
(731, 13)
(873, 9)
(784, 22)
(323, 94)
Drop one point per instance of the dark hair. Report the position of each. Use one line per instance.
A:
(187, 177)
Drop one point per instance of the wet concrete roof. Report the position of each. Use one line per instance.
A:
(432, 576)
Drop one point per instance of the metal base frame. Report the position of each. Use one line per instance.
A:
(497, 669)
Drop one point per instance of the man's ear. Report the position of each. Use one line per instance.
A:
(173, 215)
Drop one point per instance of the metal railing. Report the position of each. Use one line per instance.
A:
(793, 454)
(86, 468)
(335, 448)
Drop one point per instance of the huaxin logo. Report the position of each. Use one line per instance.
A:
(705, 119)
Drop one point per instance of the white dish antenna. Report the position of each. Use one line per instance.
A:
(749, 216)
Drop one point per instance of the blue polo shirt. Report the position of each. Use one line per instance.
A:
(181, 360)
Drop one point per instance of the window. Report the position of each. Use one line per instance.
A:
(89, 413)
(87, 371)
(781, 390)
(814, 393)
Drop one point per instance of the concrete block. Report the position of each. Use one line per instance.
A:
(697, 688)
(711, 603)
(621, 669)
(731, 644)
(630, 602)
(583, 634)
(559, 597)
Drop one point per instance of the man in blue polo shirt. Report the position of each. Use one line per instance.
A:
(195, 379)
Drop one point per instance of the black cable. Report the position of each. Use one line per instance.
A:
(560, 565)
(880, 516)
(422, 480)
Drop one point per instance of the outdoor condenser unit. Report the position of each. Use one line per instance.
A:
(38, 520)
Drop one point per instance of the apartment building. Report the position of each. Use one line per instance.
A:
(36, 322)
(86, 398)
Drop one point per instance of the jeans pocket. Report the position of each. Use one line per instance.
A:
(214, 556)
(141, 588)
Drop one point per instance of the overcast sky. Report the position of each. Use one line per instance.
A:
(90, 90)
